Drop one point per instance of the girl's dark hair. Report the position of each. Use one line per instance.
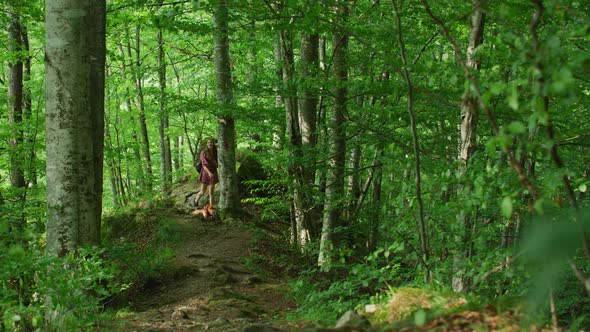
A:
(211, 155)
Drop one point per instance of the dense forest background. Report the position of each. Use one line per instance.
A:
(440, 144)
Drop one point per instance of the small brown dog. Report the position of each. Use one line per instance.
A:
(207, 211)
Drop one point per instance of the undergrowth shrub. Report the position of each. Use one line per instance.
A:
(139, 241)
(72, 293)
(45, 293)
(324, 296)
(271, 255)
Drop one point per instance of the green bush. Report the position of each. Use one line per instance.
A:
(40, 292)
(324, 297)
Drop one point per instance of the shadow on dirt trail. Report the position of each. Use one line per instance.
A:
(213, 290)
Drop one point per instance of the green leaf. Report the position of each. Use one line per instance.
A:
(420, 317)
(513, 98)
(582, 188)
(16, 250)
(507, 207)
(517, 127)
(539, 206)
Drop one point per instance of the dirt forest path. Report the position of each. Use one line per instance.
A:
(212, 290)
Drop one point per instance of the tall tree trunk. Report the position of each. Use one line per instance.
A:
(322, 137)
(279, 135)
(15, 100)
(308, 104)
(128, 106)
(165, 150)
(138, 79)
(30, 140)
(299, 231)
(117, 157)
(308, 109)
(375, 214)
(337, 148)
(178, 146)
(74, 71)
(468, 125)
(353, 185)
(229, 199)
(176, 153)
(422, 228)
(115, 174)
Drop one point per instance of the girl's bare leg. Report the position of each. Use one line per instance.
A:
(211, 191)
(201, 193)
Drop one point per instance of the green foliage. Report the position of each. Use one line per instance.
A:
(272, 256)
(323, 306)
(139, 241)
(69, 291)
(43, 293)
(250, 173)
(323, 298)
(553, 245)
(481, 208)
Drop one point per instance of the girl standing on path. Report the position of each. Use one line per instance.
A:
(208, 177)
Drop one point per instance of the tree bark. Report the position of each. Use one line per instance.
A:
(279, 134)
(138, 79)
(15, 100)
(31, 138)
(376, 203)
(165, 150)
(308, 109)
(309, 102)
(353, 184)
(229, 200)
(422, 227)
(74, 69)
(468, 126)
(299, 230)
(128, 106)
(114, 170)
(337, 148)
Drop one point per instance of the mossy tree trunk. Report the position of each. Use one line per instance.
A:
(229, 199)
(337, 142)
(75, 77)
(468, 126)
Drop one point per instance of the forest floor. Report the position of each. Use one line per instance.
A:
(211, 288)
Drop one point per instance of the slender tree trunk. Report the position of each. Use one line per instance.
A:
(468, 126)
(308, 109)
(353, 185)
(337, 149)
(308, 104)
(74, 69)
(299, 230)
(128, 106)
(178, 145)
(376, 204)
(15, 101)
(117, 158)
(252, 75)
(165, 151)
(422, 227)
(138, 78)
(322, 138)
(279, 134)
(111, 164)
(30, 140)
(229, 200)
(176, 153)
